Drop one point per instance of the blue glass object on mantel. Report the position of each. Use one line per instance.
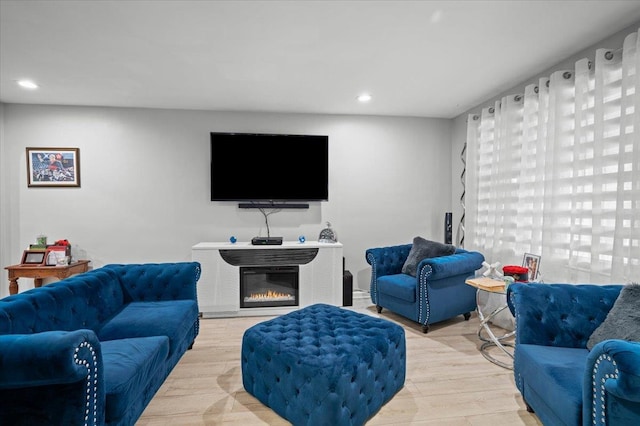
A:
(233, 239)
(302, 239)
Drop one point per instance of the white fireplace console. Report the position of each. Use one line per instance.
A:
(320, 279)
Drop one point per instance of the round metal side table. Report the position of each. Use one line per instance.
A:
(485, 333)
(491, 339)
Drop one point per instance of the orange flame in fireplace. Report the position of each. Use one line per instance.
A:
(270, 294)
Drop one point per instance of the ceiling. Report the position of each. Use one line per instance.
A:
(416, 58)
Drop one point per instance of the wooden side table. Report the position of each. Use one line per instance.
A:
(39, 272)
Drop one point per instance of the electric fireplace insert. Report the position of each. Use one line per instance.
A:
(268, 286)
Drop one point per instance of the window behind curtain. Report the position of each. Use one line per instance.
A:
(556, 172)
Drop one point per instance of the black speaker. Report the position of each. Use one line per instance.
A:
(448, 228)
(347, 289)
(347, 286)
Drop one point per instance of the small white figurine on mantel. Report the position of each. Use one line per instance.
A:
(328, 235)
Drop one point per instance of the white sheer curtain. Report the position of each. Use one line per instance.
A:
(556, 172)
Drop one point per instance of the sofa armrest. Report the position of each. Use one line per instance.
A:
(562, 315)
(50, 357)
(613, 376)
(158, 281)
(52, 376)
(462, 262)
(387, 260)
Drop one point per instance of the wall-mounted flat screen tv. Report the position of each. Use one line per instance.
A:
(269, 167)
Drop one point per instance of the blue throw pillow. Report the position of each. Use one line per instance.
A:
(623, 320)
(424, 249)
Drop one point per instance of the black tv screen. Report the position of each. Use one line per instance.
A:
(269, 167)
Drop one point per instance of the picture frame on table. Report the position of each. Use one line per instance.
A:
(532, 263)
(33, 257)
(53, 167)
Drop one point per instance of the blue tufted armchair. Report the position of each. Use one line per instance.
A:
(438, 291)
(560, 379)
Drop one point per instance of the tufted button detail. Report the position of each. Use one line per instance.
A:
(324, 350)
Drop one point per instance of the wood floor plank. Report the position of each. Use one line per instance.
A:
(448, 382)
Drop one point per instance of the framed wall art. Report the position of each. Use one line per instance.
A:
(53, 167)
(532, 262)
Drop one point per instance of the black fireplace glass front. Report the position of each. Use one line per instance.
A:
(268, 286)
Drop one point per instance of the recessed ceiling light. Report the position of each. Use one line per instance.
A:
(365, 97)
(27, 84)
(436, 16)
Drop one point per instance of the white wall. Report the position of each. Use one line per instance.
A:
(4, 206)
(144, 194)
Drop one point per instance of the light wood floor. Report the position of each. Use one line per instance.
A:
(448, 381)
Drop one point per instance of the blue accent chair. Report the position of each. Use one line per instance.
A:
(438, 291)
(559, 378)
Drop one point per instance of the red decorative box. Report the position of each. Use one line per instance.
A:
(519, 273)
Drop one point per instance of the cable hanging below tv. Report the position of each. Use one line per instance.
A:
(273, 205)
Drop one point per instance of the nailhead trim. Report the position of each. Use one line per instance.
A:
(518, 376)
(374, 281)
(423, 295)
(91, 385)
(599, 392)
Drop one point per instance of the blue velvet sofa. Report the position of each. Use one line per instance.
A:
(438, 291)
(561, 380)
(93, 349)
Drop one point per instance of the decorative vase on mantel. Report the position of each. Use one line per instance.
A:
(328, 235)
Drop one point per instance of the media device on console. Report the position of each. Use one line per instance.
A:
(266, 241)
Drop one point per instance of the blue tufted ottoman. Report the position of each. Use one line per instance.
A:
(324, 365)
